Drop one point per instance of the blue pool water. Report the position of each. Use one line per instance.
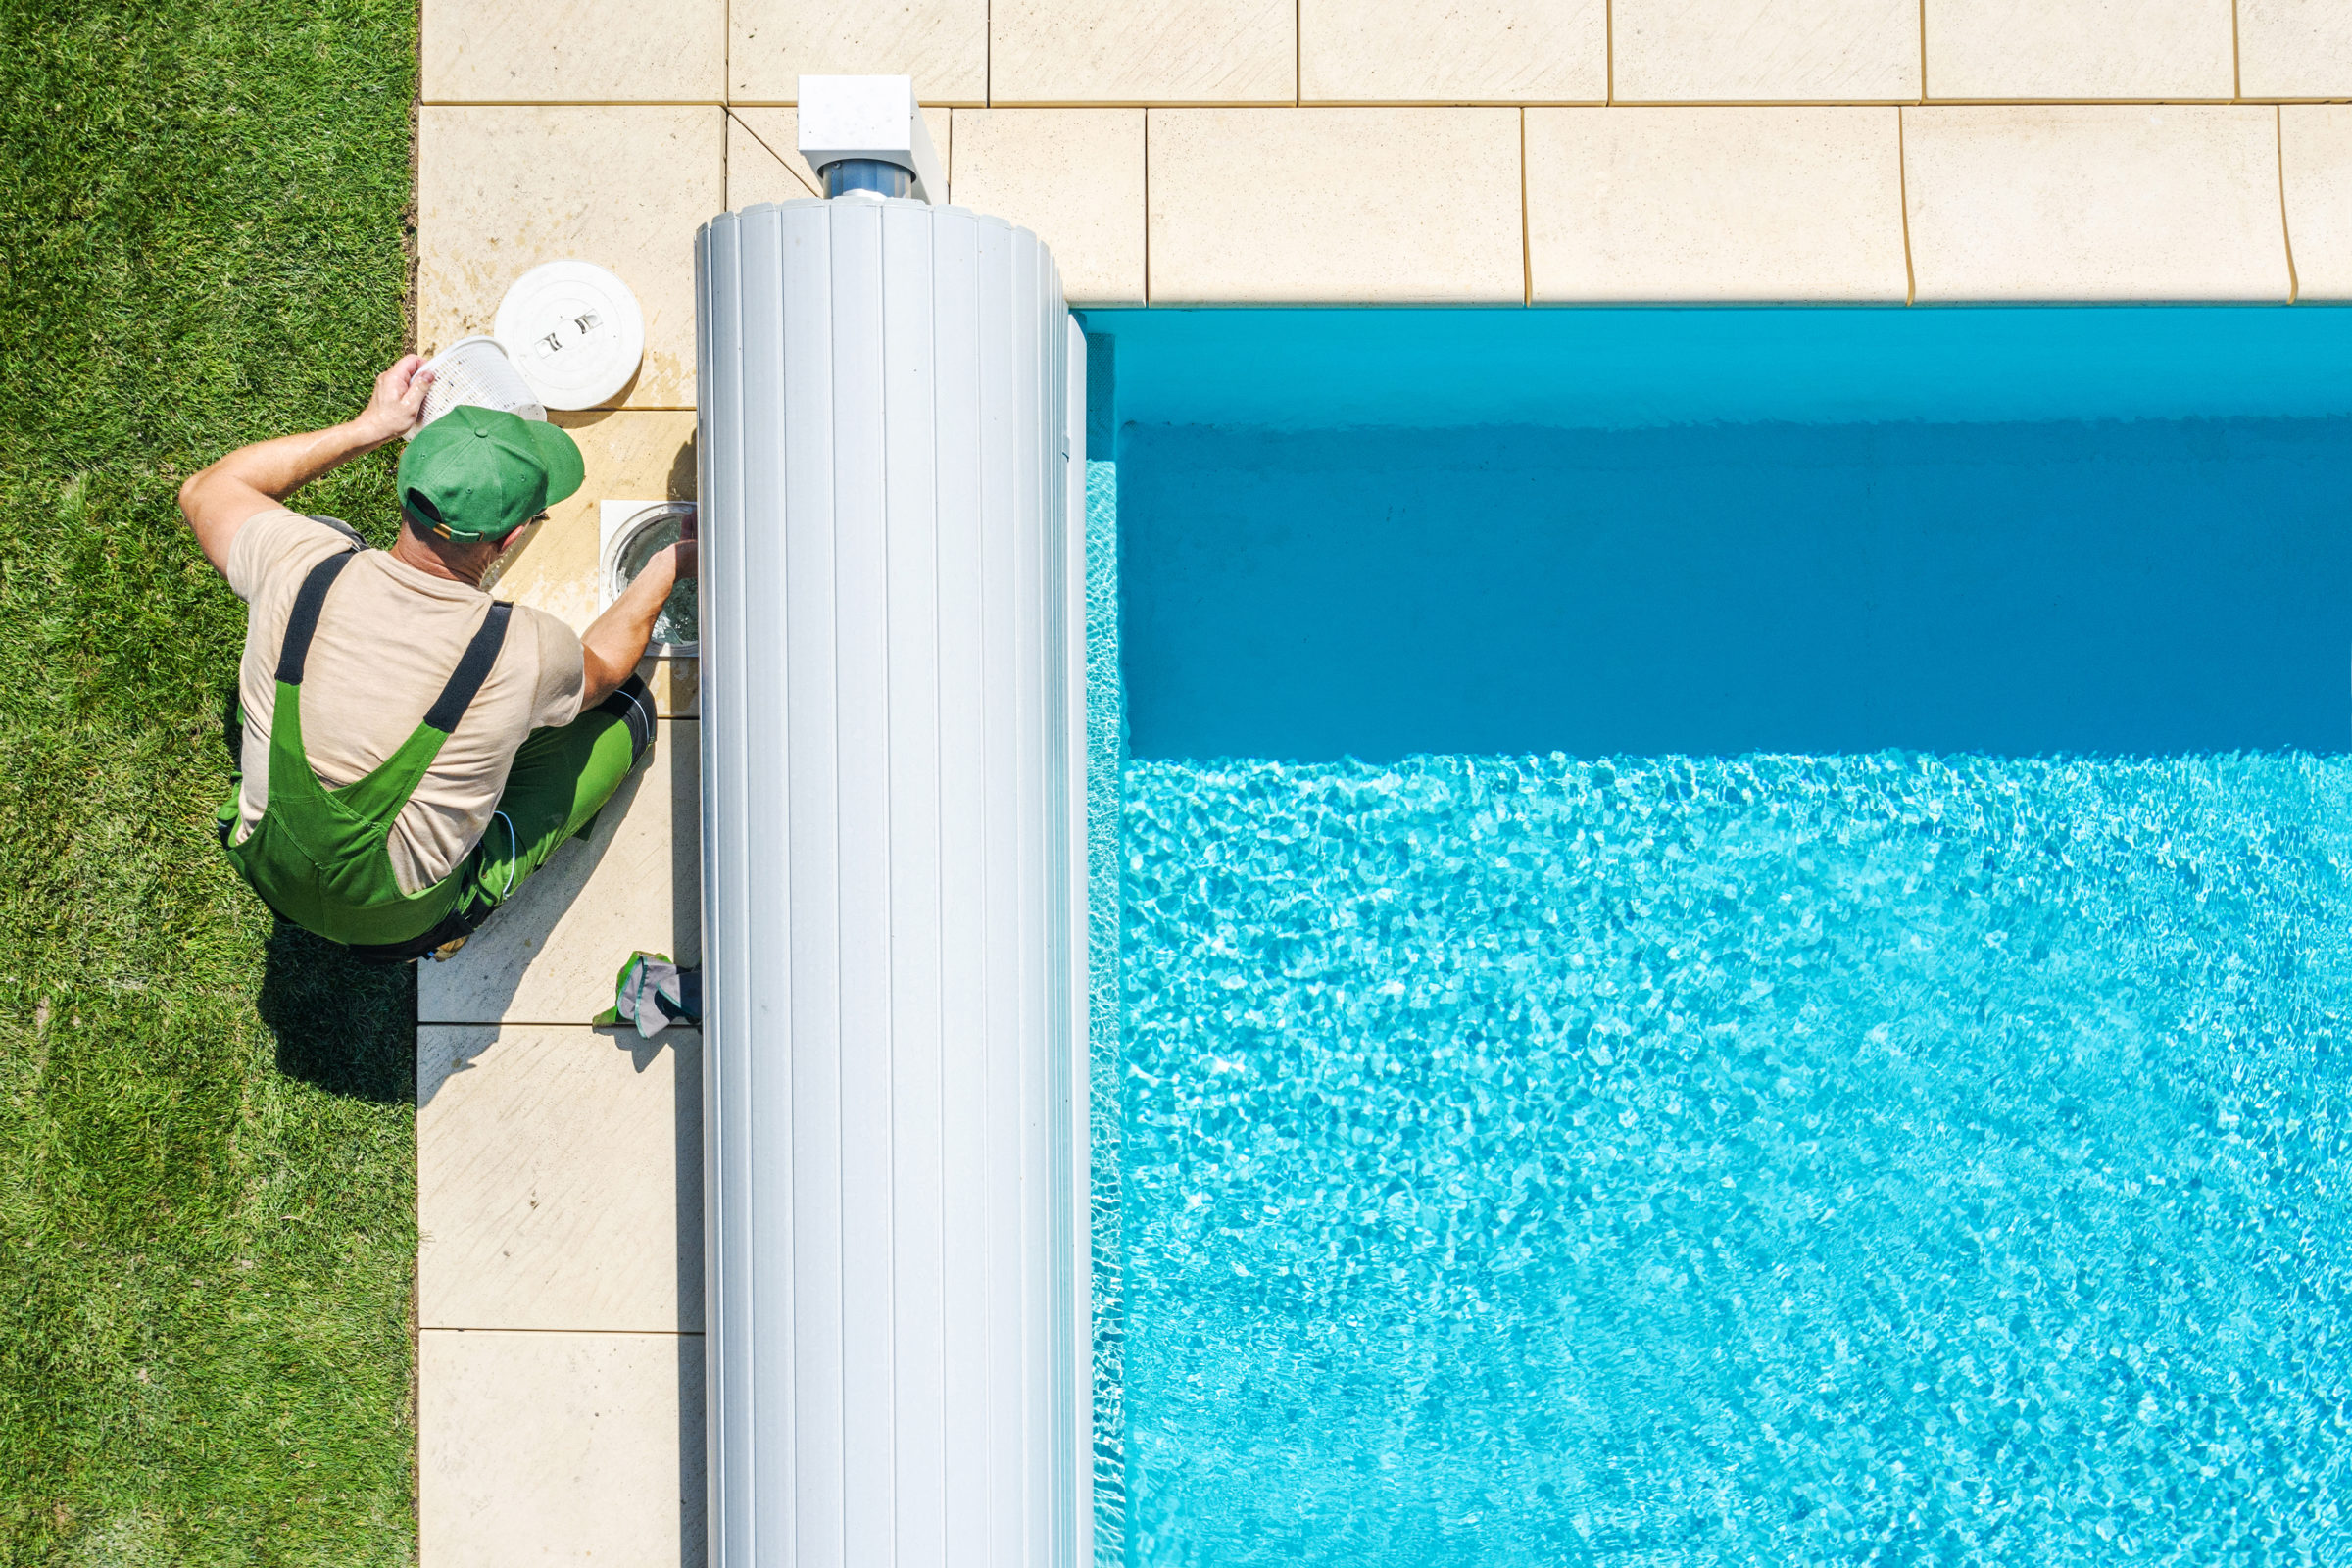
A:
(1759, 980)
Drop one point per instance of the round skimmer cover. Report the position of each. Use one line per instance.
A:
(574, 331)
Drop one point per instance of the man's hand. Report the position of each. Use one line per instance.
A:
(217, 499)
(616, 639)
(398, 400)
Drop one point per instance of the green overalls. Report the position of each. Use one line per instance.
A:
(317, 855)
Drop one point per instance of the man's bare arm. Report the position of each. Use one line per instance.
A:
(217, 499)
(616, 639)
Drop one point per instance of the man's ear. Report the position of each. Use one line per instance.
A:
(511, 535)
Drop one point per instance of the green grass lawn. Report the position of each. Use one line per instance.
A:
(206, 1199)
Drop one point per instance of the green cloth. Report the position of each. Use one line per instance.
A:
(561, 778)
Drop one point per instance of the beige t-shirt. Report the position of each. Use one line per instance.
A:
(387, 641)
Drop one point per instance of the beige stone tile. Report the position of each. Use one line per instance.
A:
(632, 885)
(1142, 52)
(762, 164)
(629, 454)
(1355, 218)
(558, 1449)
(559, 1178)
(575, 51)
(2294, 48)
(2315, 142)
(499, 190)
(1458, 51)
(2089, 202)
(2075, 49)
(765, 163)
(677, 685)
(942, 44)
(1073, 176)
(1715, 203)
(1751, 51)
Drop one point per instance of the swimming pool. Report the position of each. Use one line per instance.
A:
(1732, 937)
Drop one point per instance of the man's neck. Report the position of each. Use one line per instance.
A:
(410, 551)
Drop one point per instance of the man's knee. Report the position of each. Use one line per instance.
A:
(633, 706)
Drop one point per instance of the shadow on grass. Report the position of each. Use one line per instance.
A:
(347, 1027)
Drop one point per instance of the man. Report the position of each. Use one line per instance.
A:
(412, 749)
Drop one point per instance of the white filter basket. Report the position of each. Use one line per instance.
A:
(477, 370)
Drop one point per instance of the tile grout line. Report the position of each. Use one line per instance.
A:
(643, 1334)
(1922, 50)
(737, 118)
(571, 103)
(1902, 190)
(412, 1315)
(2286, 230)
(2238, 75)
(1147, 208)
(1527, 256)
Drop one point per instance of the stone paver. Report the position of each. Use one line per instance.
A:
(942, 44)
(559, 1178)
(2079, 49)
(499, 190)
(2294, 48)
(2315, 141)
(1073, 176)
(1730, 204)
(1469, 52)
(555, 1447)
(1766, 51)
(1142, 52)
(2170, 202)
(1361, 220)
(575, 51)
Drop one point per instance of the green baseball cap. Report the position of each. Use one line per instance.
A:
(479, 473)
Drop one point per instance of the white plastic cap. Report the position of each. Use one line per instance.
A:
(869, 116)
(574, 330)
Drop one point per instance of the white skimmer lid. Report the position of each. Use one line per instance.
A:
(573, 330)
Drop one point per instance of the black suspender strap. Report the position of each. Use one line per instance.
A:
(471, 670)
(464, 684)
(304, 618)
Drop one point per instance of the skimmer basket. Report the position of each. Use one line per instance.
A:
(478, 371)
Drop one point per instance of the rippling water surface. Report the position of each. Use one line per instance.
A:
(1788, 1160)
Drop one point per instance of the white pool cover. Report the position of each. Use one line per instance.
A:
(893, 636)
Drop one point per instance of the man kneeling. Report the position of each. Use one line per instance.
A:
(412, 749)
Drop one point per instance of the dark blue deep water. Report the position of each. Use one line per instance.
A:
(1757, 974)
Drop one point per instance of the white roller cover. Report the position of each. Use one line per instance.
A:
(892, 890)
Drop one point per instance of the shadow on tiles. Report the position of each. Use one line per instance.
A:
(480, 983)
(347, 1027)
(693, 1489)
